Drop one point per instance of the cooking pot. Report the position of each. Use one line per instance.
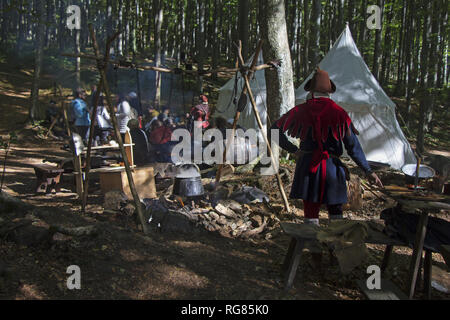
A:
(425, 172)
(188, 181)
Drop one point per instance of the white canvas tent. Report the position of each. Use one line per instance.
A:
(370, 109)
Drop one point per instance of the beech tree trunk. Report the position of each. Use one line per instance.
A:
(39, 44)
(243, 26)
(376, 51)
(158, 24)
(315, 34)
(279, 83)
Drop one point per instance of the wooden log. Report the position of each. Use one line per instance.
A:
(355, 194)
(76, 231)
(255, 231)
(130, 65)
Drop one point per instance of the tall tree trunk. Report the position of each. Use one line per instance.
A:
(400, 63)
(216, 45)
(432, 66)
(350, 14)
(410, 67)
(423, 77)
(243, 25)
(376, 51)
(442, 44)
(315, 34)
(39, 44)
(109, 19)
(362, 28)
(305, 54)
(61, 26)
(386, 57)
(77, 34)
(279, 83)
(297, 41)
(21, 33)
(200, 43)
(158, 23)
(120, 27)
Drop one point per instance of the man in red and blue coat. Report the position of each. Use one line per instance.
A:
(324, 128)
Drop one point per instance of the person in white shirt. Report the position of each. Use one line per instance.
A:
(103, 124)
(123, 114)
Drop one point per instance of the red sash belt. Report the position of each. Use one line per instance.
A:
(320, 157)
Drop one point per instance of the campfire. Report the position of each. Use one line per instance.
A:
(231, 209)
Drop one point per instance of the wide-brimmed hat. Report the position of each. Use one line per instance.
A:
(320, 82)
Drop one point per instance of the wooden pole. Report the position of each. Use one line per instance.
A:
(89, 146)
(238, 111)
(128, 65)
(101, 69)
(76, 158)
(66, 117)
(51, 127)
(258, 119)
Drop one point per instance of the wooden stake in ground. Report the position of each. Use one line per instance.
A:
(101, 68)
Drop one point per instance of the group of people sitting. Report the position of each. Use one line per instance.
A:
(151, 131)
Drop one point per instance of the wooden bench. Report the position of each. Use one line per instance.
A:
(301, 233)
(48, 176)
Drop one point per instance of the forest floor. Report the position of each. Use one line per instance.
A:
(122, 263)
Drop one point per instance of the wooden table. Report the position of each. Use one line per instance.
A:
(411, 203)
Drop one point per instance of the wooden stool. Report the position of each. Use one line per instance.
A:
(301, 233)
(47, 176)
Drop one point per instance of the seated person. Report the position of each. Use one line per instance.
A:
(54, 120)
(150, 117)
(160, 138)
(200, 112)
(141, 148)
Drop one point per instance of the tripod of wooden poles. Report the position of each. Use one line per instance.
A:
(246, 75)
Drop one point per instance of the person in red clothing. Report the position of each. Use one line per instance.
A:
(324, 129)
(200, 112)
(160, 133)
(160, 138)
